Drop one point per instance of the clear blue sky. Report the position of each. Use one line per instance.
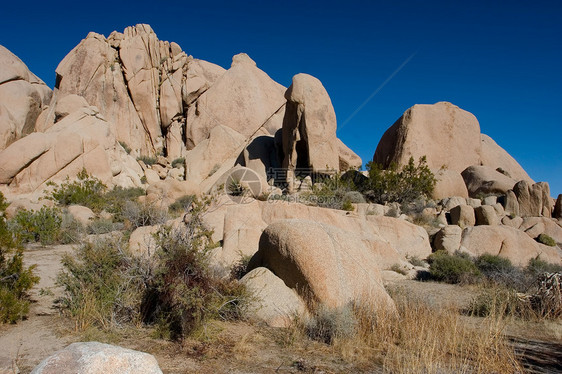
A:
(501, 61)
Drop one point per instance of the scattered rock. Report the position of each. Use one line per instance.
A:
(448, 239)
(486, 180)
(449, 183)
(463, 216)
(486, 215)
(81, 214)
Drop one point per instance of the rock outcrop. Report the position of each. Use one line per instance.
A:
(323, 263)
(496, 157)
(23, 97)
(483, 180)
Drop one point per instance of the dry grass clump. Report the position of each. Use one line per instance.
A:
(418, 339)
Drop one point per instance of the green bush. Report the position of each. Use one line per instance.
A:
(329, 324)
(117, 198)
(181, 205)
(15, 278)
(42, 226)
(546, 240)
(178, 162)
(455, 268)
(537, 266)
(138, 214)
(490, 264)
(331, 191)
(103, 285)
(400, 185)
(86, 190)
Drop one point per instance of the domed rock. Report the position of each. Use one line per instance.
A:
(483, 180)
(496, 157)
(444, 133)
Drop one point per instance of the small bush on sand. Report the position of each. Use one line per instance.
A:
(138, 214)
(546, 240)
(181, 205)
(43, 226)
(15, 279)
(455, 268)
(85, 190)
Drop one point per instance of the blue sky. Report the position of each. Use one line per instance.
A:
(499, 60)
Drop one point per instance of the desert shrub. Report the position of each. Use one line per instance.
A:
(397, 268)
(348, 206)
(144, 213)
(103, 226)
(44, 226)
(397, 184)
(546, 240)
(354, 197)
(178, 162)
(124, 145)
(181, 205)
(500, 300)
(86, 190)
(71, 231)
(416, 261)
(537, 266)
(449, 268)
(103, 285)
(15, 278)
(331, 192)
(116, 199)
(184, 293)
(149, 161)
(240, 268)
(329, 324)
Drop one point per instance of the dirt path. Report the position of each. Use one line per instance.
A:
(24, 345)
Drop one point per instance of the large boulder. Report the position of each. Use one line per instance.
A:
(449, 183)
(444, 133)
(98, 358)
(309, 127)
(323, 263)
(448, 239)
(243, 99)
(557, 212)
(272, 301)
(533, 199)
(483, 180)
(507, 242)
(22, 98)
(496, 157)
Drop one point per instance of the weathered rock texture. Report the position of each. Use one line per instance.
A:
(496, 157)
(22, 98)
(482, 180)
(97, 358)
(323, 263)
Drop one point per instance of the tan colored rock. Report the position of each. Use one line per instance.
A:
(272, 301)
(449, 183)
(463, 216)
(551, 228)
(514, 222)
(557, 213)
(323, 263)
(172, 189)
(23, 96)
(490, 200)
(200, 76)
(309, 127)
(408, 239)
(151, 176)
(485, 180)
(451, 202)
(448, 239)
(142, 241)
(19, 155)
(496, 157)
(25, 203)
(447, 135)
(529, 198)
(511, 203)
(243, 99)
(507, 242)
(348, 158)
(486, 215)
(500, 212)
(95, 358)
(68, 104)
(261, 156)
(221, 147)
(473, 202)
(535, 230)
(547, 205)
(82, 214)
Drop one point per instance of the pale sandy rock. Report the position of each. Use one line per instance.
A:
(23, 96)
(261, 156)
(529, 198)
(68, 104)
(243, 99)
(486, 215)
(511, 203)
(172, 189)
(448, 239)
(490, 200)
(162, 171)
(323, 263)
(496, 157)
(557, 213)
(453, 201)
(170, 98)
(175, 147)
(473, 202)
(19, 155)
(97, 358)
(535, 230)
(486, 180)
(463, 216)
(309, 128)
(151, 176)
(272, 301)
(507, 242)
(26, 203)
(82, 214)
(200, 76)
(447, 135)
(221, 147)
(142, 241)
(514, 222)
(551, 228)
(500, 211)
(547, 204)
(348, 158)
(449, 183)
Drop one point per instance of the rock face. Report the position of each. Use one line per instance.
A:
(309, 127)
(272, 301)
(533, 200)
(449, 183)
(482, 180)
(22, 98)
(507, 242)
(323, 263)
(97, 358)
(463, 216)
(447, 135)
(557, 213)
(448, 238)
(496, 157)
